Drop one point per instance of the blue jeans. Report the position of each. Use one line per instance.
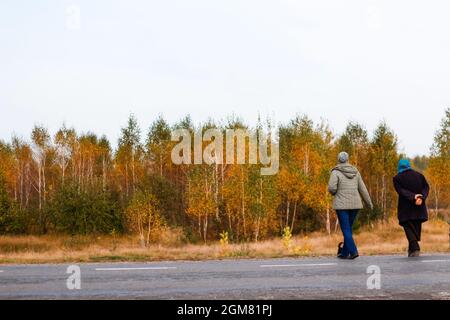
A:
(346, 220)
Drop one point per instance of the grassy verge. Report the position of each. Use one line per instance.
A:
(385, 238)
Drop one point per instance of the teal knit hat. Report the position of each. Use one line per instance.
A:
(403, 165)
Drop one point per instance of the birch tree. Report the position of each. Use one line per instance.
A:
(41, 148)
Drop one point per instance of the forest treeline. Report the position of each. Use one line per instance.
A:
(77, 183)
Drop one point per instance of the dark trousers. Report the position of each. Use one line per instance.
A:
(346, 219)
(413, 230)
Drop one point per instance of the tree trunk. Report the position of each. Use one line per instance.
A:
(328, 220)
(243, 202)
(222, 172)
(293, 216)
(28, 186)
(306, 166)
(149, 230)
(386, 213)
(104, 174)
(126, 180)
(133, 170)
(287, 212)
(44, 182)
(205, 228)
(436, 201)
(40, 188)
(21, 186)
(336, 225)
(261, 207)
(257, 229)
(216, 191)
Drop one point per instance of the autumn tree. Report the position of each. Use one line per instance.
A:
(438, 171)
(4, 204)
(8, 167)
(41, 151)
(64, 141)
(129, 156)
(355, 142)
(306, 159)
(142, 216)
(234, 182)
(203, 183)
(383, 160)
(262, 202)
(158, 144)
(420, 163)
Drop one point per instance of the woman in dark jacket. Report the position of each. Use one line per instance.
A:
(412, 189)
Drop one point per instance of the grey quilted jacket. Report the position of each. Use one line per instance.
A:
(347, 187)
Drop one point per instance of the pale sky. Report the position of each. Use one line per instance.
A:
(339, 60)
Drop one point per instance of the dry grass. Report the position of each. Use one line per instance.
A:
(382, 239)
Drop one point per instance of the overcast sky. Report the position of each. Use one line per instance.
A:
(339, 60)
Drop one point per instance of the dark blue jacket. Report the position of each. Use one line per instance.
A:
(407, 184)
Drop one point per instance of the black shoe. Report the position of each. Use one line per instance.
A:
(340, 248)
(341, 256)
(353, 256)
(414, 254)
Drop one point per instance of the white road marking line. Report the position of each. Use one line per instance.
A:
(132, 269)
(435, 261)
(1, 271)
(298, 265)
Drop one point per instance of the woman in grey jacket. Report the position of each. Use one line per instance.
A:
(347, 187)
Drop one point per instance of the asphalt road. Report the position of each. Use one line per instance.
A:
(427, 277)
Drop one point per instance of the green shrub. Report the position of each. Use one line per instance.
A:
(85, 212)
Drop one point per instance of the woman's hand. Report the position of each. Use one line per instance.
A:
(419, 199)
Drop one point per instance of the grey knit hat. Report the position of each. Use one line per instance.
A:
(343, 157)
